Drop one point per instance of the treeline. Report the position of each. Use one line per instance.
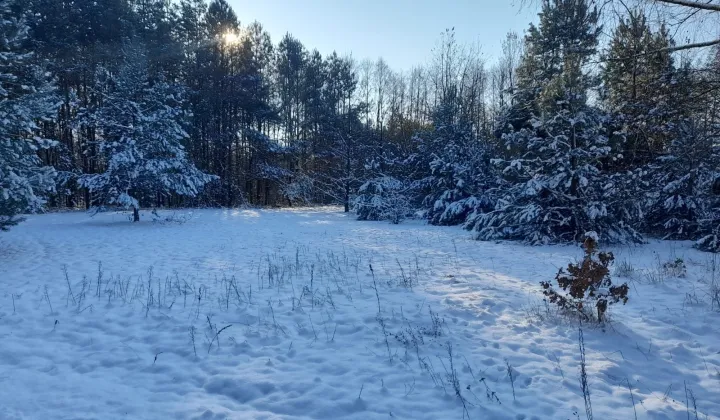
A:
(622, 141)
(275, 123)
(259, 116)
(160, 103)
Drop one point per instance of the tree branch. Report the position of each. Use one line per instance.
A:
(692, 3)
(690, 46)
(669, 49)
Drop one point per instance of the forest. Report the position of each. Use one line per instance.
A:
(201, 221)
(596, 119)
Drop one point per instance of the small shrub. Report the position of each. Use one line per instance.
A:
(625, 269)
(655, 277)
(410, 338)
(586, 284)
(541, 311)
(436, 325)
(174, 218)
(714, 294)
(675, 268)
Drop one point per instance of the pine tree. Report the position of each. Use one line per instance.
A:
(710, 224)
(679, 196)
(75, 37)
(342, 135)
(256, 112)
(556, 144)
(459, 179)
(141, 124)
(562, 43)
(290, 60)
(383, 198)
(390, 187)
(710, 241)
(641, 88)
(395, 180)
(155, 22)
(558, 191)
(26, 96)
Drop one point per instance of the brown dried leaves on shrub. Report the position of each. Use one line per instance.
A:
(586, 283)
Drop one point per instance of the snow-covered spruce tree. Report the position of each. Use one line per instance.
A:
(710, 224)
(140, 121)
(26, 96)
(459, 171)
(390, 181)
(710, 227)
(300, 190)
(383, 197)
(452, 197)
(558, 191)
(710, 242)
(680, 194)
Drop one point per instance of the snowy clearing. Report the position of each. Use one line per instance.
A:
(274, 314)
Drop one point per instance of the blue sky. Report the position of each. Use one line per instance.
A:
(403, 32)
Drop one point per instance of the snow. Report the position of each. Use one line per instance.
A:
(304, 339)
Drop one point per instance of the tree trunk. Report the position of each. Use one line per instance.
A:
(347, 198)
(136, 214)
(347, 183)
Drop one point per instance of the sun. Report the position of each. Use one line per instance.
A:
(231, 37)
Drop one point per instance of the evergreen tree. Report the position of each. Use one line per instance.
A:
(641, 88)
(75, 37)
(342, 135)
(556, 189)
(155, 22)
(290, 60)
(459, 168)
(221, 95)
(560, 46)
(26, 96)
(391, 186)
(383, 198)
(141, 124)
(710, 224)
(679, 197)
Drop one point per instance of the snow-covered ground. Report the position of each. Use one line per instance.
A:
(246, 314)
